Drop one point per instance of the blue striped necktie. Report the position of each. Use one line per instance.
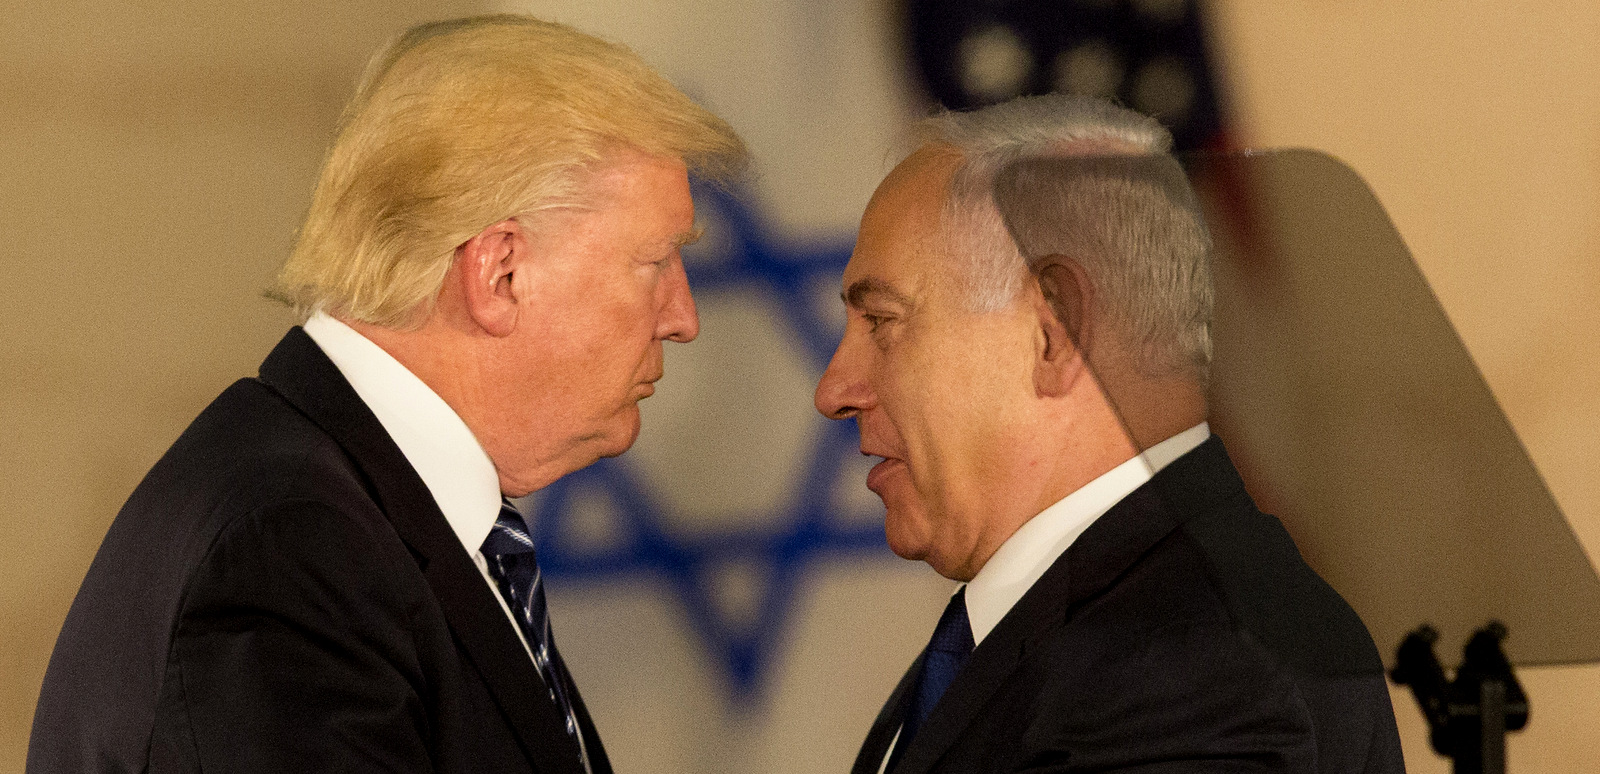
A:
(512, 564)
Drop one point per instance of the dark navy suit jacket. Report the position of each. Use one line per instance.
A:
(1181, 632)
(282, 594)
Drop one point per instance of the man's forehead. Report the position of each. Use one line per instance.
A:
(892, 252)
(899, 268)
(900, 238)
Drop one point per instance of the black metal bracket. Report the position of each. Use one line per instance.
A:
(1468, 717)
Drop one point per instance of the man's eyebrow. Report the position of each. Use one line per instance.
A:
(651, 251)
(867, 287)
(689, 237)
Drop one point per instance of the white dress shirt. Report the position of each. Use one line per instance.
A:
(439, 446)
(1024, 557)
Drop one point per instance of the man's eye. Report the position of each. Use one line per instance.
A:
(874, 320)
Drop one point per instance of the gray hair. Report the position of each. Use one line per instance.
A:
(1075, 176)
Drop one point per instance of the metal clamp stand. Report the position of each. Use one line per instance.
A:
(1469, 717)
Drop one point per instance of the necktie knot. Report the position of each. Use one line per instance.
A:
(947, 652)
(509, 536)
(953, 635)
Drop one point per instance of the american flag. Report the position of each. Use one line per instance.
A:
(1150, 55)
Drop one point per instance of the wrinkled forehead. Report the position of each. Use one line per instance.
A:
(901, 238)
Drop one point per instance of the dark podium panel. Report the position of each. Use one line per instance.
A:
(1357, 417)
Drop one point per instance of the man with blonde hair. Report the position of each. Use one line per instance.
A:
(1027, 349)
(325, 571)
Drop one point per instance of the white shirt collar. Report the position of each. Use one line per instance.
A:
(1027, 554)
(439, 446)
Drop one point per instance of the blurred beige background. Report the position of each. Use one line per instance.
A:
(158, 156)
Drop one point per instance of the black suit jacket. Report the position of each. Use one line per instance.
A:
(282, 594)
(1182, 632)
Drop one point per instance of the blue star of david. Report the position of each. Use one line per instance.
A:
(749, 259)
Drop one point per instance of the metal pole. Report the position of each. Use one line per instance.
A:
(1492, 725)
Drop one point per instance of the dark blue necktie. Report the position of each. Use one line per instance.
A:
(952, 643)
(512, 564)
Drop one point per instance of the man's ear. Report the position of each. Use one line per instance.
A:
(1063, 308)
(487, 264)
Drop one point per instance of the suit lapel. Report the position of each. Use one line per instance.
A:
(299, 371)
(870, 759)
(1094, 562)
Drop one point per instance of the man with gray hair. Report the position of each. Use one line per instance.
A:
(325, 572)
(1027, 349)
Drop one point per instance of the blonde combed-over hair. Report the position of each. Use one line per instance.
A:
(461, 124)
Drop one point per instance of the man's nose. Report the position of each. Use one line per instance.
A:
(843, 391)
(679, 321)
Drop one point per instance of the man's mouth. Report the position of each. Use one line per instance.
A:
(883, 471)
(648, 387)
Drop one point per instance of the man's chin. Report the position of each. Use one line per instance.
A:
(906, 540)
(622, 437)
(913, 551)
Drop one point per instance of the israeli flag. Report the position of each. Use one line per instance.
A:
(723, 592)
